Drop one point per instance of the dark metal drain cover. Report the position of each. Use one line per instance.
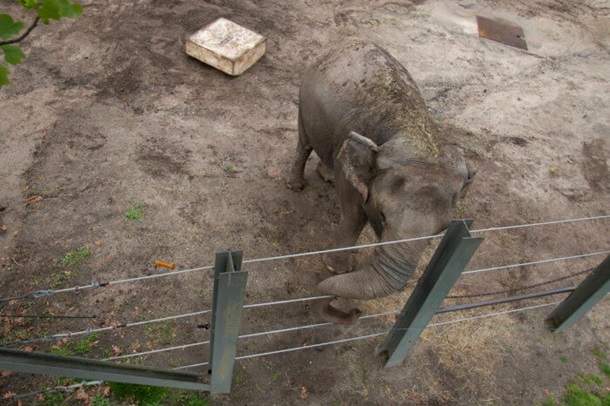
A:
(501, 31)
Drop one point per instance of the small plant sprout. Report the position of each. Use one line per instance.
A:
(137, 212)
(74, 257)
(229, 169)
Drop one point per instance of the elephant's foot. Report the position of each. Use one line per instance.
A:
(338, 262)
(331, 314)
(325, 173)
(295, 184)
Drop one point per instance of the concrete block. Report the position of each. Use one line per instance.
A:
(226, 46)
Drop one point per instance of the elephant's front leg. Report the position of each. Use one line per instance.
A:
(353, 220)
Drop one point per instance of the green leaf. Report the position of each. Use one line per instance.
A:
(4, 76)
(49, 10)
(30, 4)
(70, 10)
(9, 27)
(56, 9)
(12, 54)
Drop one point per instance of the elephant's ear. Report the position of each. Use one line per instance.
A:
(357, 158)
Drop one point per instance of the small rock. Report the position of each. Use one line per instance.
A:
(273, 172)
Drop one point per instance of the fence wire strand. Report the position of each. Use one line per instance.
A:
(545, 223)
(139, 354)
(510, 291)
(76, 289)
(281, 302)
(494, 314)
(379, 244)
(245, 336)
(56, 337)
(345, 340)
(543, 261)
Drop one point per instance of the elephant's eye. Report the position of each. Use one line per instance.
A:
(382, 217)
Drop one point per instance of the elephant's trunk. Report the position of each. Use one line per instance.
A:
(385, 272)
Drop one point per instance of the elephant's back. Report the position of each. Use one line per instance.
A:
(358, 86)
(354, 65)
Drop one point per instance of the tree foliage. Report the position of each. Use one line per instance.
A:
(11, 30)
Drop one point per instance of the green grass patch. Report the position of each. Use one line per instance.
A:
(156, 395)
(605, 368)
(54, 398)
(137, 212)
(61, 276)
(161, 332)
(77, 348)
(577, 396)
(75, 257)
(590, 390)
(99, 400)
(230, 169)
(142, 394)
(601, 354)
(591, 379)
(603, 365)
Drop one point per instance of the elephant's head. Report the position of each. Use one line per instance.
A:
(405, 193)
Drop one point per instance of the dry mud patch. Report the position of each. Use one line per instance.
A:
(108, 113)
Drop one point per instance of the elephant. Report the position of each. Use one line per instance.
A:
(364, 116)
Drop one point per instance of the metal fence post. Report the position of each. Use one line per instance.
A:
(73, 367)
(451, 257)
(584, 297)
(229, 293)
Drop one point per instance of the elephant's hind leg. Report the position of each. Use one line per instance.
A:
(296, 180)
(325, 172)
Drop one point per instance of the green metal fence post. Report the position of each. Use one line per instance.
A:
(73, 367)
(229, 292)
(584, 297)
(451, 257)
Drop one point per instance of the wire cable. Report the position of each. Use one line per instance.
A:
(509, 299)
(494, 314)
(546, 223)
(139, 354)
(255, 305)
(251, 335)
(41, 316)
(510, 291)
(463, 273)
(544, 261)
(302, 299)
(55, 337)
(376, 334)
(76, 289)
(378, 244)
(442, 310)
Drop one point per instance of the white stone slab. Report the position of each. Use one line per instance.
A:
(226, 46)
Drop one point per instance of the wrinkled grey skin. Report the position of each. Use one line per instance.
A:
(362, 113)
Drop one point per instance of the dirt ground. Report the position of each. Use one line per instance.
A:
(108, 114)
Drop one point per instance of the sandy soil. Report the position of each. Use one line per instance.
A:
(108, 113)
